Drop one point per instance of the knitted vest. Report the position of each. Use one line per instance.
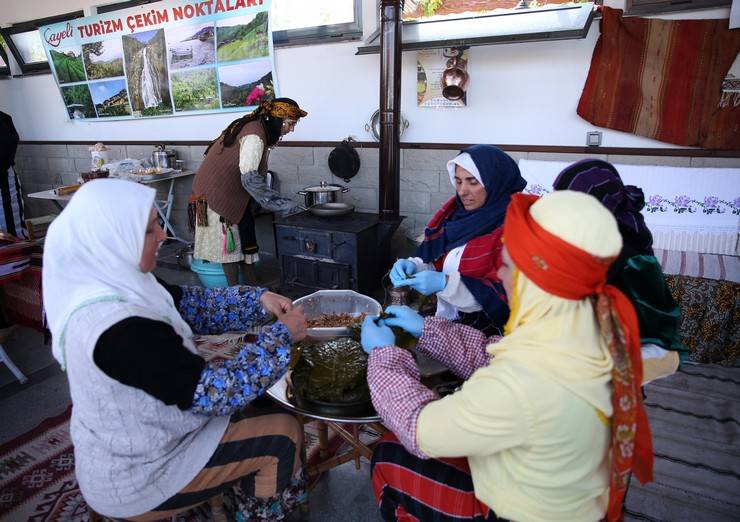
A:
(132, 452)
(219, 178)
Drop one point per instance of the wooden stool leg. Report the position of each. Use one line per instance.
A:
(356, 436)
(323, 439)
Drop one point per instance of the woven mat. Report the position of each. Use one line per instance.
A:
(37, 481)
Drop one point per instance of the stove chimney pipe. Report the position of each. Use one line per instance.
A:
(390, 106)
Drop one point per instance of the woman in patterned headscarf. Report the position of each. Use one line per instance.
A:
(636, 272)
(231, 182)
(549, 423)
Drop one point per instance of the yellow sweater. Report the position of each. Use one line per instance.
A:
(536, 450)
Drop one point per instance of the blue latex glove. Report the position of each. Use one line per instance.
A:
(405, 318)
(401, 269)
(427, 282)
(375, 335)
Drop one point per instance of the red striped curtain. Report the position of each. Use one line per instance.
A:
(663, 79)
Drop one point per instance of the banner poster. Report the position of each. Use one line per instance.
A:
(430, 64)
(168, 58)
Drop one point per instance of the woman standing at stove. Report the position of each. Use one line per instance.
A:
(461, 250)
(232, 179)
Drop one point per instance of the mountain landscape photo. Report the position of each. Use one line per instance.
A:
(110, 98)
(68, 65)
(245, 85)
(146, 69)
(78, 101)
(103, 59)
(191, 45)
(195, 90)
(242, 37)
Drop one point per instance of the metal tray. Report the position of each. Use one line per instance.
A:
(281, 393)
(336, 302)
(331, 209)
(161, 173)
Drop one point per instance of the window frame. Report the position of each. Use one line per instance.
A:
(641, 7)
(125, 4)
(371, 45)
(29, 26)
(320, 34)
(4, 71)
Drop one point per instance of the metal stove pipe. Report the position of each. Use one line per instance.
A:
(390, 106)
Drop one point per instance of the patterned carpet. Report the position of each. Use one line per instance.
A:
(37, 481)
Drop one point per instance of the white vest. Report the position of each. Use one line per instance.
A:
(132, 451)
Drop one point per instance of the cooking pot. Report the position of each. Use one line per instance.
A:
(322, 193)
(164, 158)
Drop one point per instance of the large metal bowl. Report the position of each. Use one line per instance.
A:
(336, 302)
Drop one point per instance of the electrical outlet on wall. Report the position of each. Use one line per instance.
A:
(593, 139)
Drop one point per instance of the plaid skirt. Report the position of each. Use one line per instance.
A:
(408, 488)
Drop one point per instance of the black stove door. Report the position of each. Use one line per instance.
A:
(311, 273)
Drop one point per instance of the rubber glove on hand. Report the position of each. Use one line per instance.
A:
(375, 335)
(406, 318)
(401, 269)
(427, 282)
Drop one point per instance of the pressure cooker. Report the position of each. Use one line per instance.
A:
(322, 193)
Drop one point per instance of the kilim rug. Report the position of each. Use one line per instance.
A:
(37, 481)
(663, 79)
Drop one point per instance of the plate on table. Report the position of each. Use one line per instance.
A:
(150, 174)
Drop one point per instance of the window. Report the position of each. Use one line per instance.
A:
(24, 42)
(117, 6)
(429, 24)
(296, 22)
(4, 65)
(647, 7)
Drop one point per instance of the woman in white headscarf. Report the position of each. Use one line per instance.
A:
(155, 427)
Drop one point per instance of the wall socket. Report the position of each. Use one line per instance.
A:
(593, 139)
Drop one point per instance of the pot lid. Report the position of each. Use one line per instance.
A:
(323, 187)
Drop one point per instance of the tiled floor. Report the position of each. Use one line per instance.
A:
(695, 418)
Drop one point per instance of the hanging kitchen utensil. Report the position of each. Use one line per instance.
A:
(344, 161)
(455, 77)
(373, 126)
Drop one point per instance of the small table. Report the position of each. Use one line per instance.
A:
(227, 345)
(348, 428)
(163, 206)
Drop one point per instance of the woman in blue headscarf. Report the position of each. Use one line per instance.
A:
(461, 250)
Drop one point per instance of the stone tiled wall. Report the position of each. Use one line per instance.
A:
(424, 182)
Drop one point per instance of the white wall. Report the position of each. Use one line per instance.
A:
(518, 94)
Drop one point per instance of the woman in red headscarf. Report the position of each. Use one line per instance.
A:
(549, 423)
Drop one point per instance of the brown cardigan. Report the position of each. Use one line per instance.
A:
(219, 178)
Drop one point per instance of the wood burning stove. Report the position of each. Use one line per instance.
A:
(341, 252)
